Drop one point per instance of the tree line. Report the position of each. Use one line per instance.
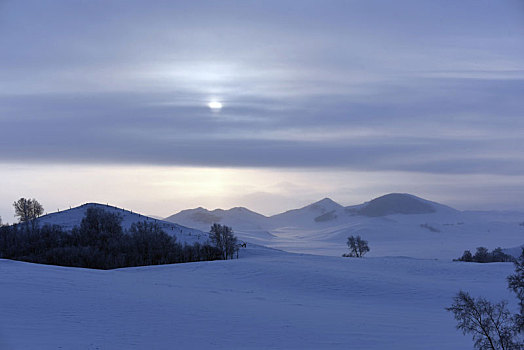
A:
(100, 242)
(483, 255)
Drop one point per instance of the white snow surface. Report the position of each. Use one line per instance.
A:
(267, 299)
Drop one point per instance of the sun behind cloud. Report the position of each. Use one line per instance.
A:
(215, 105)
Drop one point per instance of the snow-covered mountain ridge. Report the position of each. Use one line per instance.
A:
(325, 210)
(394, 224)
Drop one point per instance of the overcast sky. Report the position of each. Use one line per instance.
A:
(108, 101)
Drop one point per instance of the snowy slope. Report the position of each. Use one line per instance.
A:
(322, 211)
(394, 224)
(70, 218)
(265, 300)
(420, 236)
(400, 203)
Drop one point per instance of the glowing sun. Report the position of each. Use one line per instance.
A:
(215, 105)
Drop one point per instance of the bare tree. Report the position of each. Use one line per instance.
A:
(491, 324)
(516, 284)
(224, 240)
(481, 255)
(27, 210)
(357, 247)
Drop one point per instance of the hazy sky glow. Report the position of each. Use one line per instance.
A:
(341, 98)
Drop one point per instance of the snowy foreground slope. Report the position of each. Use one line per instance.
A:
(266, 300)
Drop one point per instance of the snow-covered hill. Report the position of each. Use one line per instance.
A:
(325, 212)
(70, 218)
(395, 225)
(400, 203)
(239, 217)
(322, 211)
(265, 300)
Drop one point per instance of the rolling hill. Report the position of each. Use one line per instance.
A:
(238, 217)
(395, 224)
(70, 218)
(400, 203)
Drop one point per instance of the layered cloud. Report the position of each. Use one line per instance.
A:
(416, 87)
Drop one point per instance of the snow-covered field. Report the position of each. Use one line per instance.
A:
(394, 298)
(266, 300)
(399, 235)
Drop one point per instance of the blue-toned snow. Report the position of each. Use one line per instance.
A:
(266, 300)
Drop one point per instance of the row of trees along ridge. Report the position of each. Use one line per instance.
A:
(100, 241)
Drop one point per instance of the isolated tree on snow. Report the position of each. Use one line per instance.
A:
(27, 210)
(357, 247)
(224, 240)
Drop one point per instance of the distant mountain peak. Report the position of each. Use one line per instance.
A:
(240, 209)
(310, 213)
(236, 217)
(326, 203)
(327, 200)
(396, 203)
